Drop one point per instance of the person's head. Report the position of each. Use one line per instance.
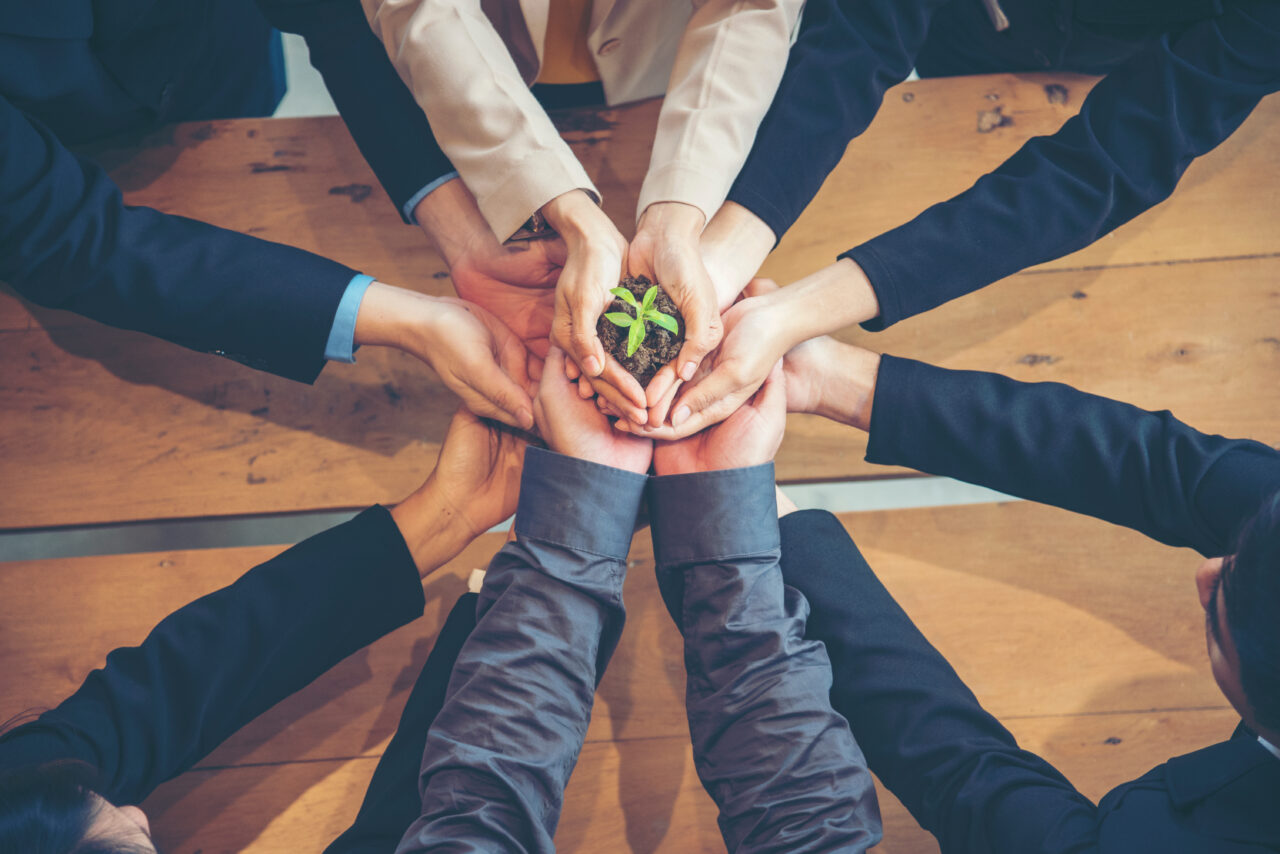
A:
(1241, 598)
(53, 809)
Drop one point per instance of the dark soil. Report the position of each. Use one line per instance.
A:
(659, 346)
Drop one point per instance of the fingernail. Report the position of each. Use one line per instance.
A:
(686, 373)
(525, 417)
(591, 365)
(680, 416)
(622, 425)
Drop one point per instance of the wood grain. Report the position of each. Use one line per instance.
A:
(1044, 629)
(103, 425)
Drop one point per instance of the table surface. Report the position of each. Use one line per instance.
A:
(1177, 309)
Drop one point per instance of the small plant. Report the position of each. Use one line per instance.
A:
(645, 312)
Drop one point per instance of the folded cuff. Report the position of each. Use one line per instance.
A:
(709, 516)
(685, 183)
(578, 504)
(537, 178)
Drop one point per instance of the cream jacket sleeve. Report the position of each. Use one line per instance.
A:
(730, 62)
(488, 123)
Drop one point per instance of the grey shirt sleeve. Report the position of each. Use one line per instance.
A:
(779, 762)
(501, 750)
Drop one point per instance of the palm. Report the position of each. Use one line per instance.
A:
(733, 443)
(479, 471)
(576, 427)
(516, 282)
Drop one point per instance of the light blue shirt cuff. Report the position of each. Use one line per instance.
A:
(341, 346)
(410, 205)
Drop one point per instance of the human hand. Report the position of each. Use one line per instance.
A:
(748, 437)
(476, 356)
(734, 245)
(514, 281)
(666, 251)
(576, 427)
(758, 334)
(474, 486)
(596, 259)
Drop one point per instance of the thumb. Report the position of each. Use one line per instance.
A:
(702, 333)
(704, 393)
(513, 404)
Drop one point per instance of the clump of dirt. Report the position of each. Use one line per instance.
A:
(659, 346)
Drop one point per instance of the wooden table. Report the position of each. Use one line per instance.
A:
(1178, 309)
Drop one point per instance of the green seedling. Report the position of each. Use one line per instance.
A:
(645, 312)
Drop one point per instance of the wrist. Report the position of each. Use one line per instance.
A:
(452, 220)
(734, 246)
(573, 214)
(834, 297)
(672, 221)
(848, 385)
(432, 529)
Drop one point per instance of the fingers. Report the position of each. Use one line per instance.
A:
(659, 387)
(658, 412)
(622, 400)
(713, 414)
(703, 331)
(571, 370)
(760, 286)
(495, 395)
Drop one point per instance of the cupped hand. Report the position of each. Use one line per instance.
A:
(576, 427)
(666, 250)
(478, 472)
(757, 335)
(748, 437)
(514, 281)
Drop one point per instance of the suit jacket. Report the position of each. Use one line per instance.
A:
(958, 771)
(469, 64)
(76, 70)
(1182, 94)
(155, 710)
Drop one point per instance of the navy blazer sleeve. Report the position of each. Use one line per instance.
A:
(954, 766)
(1051, 443)
(1135, 135)
(387, 124)
(68, 240)
(847, 54)
(209, 668)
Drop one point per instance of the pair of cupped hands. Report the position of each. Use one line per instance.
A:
(521, 298)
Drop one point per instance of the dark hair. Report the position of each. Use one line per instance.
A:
(48, 808)
(1250, 588)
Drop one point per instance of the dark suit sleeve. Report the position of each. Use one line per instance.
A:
(68, 240)
(847, 54)
(928, 739)
(209, 668)
(1135, 135)
(1051, 443)
(386, 122)
(391, 802)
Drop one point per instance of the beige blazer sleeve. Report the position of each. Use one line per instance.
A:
(730, 62)
(488, 123)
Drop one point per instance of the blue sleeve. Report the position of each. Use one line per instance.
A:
(774, 755)
(68, 240)
(1135, 135)
(409, 206)
(499, 753)
(341, 346)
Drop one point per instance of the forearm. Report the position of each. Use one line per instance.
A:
(210, 667)
(730, 61)
(386, 123)
(959, 772)
(499, 754)
(734, 245)
(850, 52)
(1108, 164)
(484, 117)
(1051, 443)
(753, 678)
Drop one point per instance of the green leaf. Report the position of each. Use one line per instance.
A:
(619, 318)
(650, 297)
(635, 337)
(626, 296)
(666, 321)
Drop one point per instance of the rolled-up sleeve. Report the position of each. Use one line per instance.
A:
(501, 750)
(771, 751)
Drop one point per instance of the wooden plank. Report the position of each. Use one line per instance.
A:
(104, 425)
